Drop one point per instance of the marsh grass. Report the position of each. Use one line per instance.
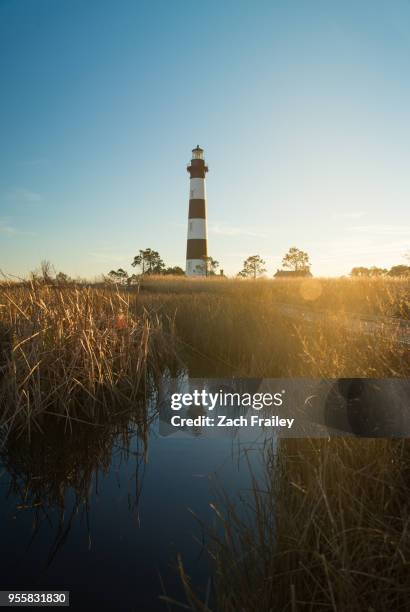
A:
(75, 353)
(238, 327)
(327, 528)
(381, 296)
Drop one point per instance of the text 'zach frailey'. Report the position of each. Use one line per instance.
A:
(210, 401)
(224, 421)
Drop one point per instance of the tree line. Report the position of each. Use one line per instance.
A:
(400, 270)
(149, 262)
(295, 263)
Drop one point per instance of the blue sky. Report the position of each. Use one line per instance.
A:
(302, 108)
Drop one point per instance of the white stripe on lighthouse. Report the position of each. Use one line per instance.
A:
(197, 189)
(197, 228)
(195, 267)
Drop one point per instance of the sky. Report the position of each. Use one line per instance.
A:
(302, 107)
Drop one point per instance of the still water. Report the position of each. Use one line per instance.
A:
(104, 512)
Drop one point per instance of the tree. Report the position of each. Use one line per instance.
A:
(139, 260)
(119, 276)
(213, 265)
(132, 280)
(174, 271)
(208, 267)
(296, 260)
(399, 271)
(252, 267)
(46, 271)
(43, 274)
(359, 271)
(373, 271)
(149, 261)
(63, 279)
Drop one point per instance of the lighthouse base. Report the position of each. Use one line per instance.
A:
(195, 267)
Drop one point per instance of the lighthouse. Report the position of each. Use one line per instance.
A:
(197, 241)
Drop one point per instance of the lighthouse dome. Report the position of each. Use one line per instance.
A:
(197, 153)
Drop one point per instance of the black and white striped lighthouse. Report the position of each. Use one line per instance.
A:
(197, 242)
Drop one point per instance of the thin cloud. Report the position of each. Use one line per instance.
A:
(10, 230)
(349, 215)
(383, 230)
(6, 229)
(39, 161)
(352, 248)
(20, 194)
(107, 257)
(268, 258)
(229, 230)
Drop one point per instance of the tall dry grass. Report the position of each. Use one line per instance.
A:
(75, 353)
(384, 296)
(236, 327)
(327, 528)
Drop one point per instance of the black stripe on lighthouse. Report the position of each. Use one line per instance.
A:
(196, 248)
(197, 239)
(197, 209)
